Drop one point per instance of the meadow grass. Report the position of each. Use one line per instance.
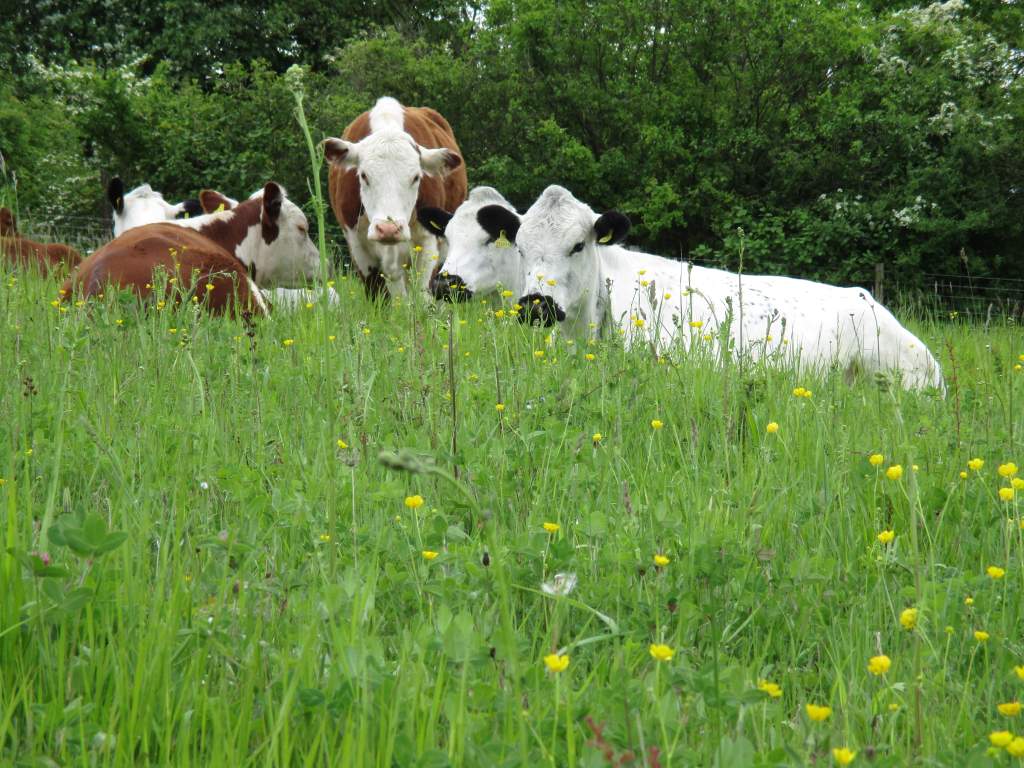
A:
(233, 574)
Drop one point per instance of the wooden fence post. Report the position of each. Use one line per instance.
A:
(880, 283)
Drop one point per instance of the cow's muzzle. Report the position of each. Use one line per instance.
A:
(445, 287)
(540, 310)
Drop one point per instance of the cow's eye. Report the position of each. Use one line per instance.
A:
(415, 178)
(364, 177)
(577, 248)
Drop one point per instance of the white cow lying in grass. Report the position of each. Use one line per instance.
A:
(144, 205)
(477, 263)
(576, 273)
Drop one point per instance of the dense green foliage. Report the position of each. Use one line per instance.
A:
(836, 135)
(230, 585)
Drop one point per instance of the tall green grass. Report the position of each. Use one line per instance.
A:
(269, 602)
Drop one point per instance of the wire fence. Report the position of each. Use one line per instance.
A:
(969, 297)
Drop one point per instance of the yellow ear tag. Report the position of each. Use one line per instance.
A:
(606, 238)
(220, 208)
(502, 241)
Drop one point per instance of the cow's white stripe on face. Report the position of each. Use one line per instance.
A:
(663, 302)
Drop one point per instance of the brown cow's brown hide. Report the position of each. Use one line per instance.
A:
(430, 130)
(22, 252)
(132, 260)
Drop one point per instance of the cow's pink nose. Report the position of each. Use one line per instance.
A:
(387, 230)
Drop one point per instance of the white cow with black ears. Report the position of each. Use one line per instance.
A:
(576, 273)
(144, 205)
(477, 264)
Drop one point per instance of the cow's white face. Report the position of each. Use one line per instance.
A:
(143, 205)
(560, 239)
(283, 253)
(478, 263)
(390, 166)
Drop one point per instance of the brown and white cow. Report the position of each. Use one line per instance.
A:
(23, 252)
(193, 265)
(391, 161)
(264, 240)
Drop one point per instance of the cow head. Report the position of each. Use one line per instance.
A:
(390, 166)
(482, 257)
(7, 225)
(143, 205)
(560, 240)
(280, 252)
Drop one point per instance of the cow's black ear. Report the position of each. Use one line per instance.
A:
(115, 194)
(434, 220)
(497, 220)
(611, 227)
(191, 208)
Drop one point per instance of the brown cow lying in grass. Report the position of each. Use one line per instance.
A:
(218, 258)
(23, 252)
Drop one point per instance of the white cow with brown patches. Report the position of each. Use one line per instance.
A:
(576, 273)
(390, 161)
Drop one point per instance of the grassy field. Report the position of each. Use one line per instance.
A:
(232, 565)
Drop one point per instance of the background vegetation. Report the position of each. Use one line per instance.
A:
(837, 135)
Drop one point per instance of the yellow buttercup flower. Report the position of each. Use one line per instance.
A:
(590, 356)
(288, 342)
(908, 618)
(556, 663)
(879, 665)
(968, 600)
(843, 755)
(1000, 738)
(597, 437)
(818, 713)
(772, 427)
(963, 475)
(342, 444)
(1009, 469)
(499, 407)
(886, 536)
(995, 572)
(414, 502)
(895, 472)
(774, 690)
(428, 554)
(876, 459)
(1016, 747)
(976, 464)
(1007, 494)
(1009, 708)
(660, 652)
(656, 424)
(981, 635)
(661, 561)
(552, 527)
(1019, 671)
(696, 323)
(1017, 483)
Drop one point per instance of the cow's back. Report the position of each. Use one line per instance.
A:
(46, 257)
(132, 261)
(429, 129)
